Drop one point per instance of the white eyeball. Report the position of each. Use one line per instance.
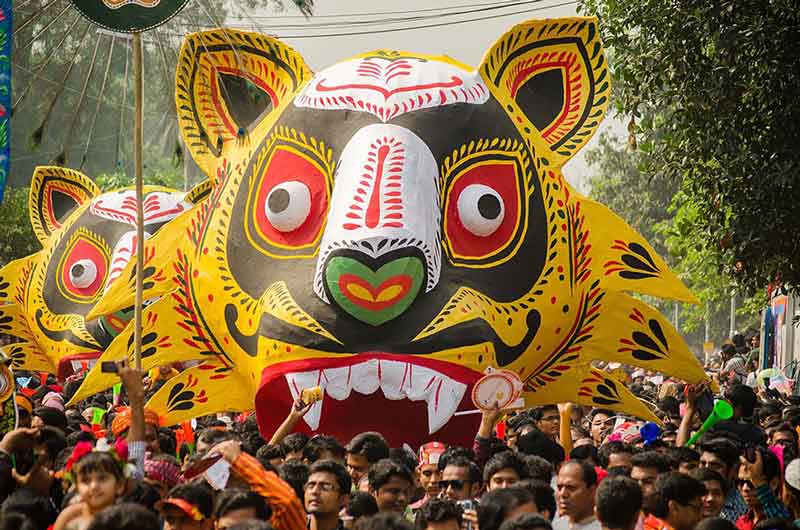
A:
(288, 205)
(83, 273)
(480, 209)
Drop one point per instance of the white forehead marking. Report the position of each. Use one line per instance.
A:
(159, 206)
(387, 87)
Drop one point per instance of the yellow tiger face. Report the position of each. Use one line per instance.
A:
(393, 228)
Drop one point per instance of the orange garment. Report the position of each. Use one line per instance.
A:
(654, 523)
(122, 421)
(287, 511)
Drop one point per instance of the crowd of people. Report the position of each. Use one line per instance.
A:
(104, 465)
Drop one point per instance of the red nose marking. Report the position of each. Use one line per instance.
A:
(374, 208)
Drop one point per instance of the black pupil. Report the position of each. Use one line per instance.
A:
(278, 200)
(489, 206)
(78, 270)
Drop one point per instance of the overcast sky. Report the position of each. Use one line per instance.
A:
(466, 40)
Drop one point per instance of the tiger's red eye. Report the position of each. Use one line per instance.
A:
(84, 269)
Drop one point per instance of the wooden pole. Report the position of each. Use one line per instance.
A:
(138, 142)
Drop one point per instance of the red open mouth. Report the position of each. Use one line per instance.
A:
(74, 364)
(407, 398)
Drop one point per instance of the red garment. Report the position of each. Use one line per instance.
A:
(746, 522)
(654, 523)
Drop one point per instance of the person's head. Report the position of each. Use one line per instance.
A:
(616, 454)
(769, 413)
(188, 506)
(360, 506)
(439, 514)
(390, 483)
(363, 451)
(543, 497)
(210, 437)
(384, 521)
(295, 473)
(293, 445)
(322, 447)
(99, 478)
(685, 458)
(771, 469)
(646, 468)
(618, 503)
(461, 479)
(548, 420)
(51, 416)
(427, 471)
(501, 504)
(526, 521)
(678, 500)
(721, 455)
(517, 426)
(539, 468)
(602, 421)
(33, 505)
(716, 489)
(743, 399)
(715, 523)
(234, 506)
(537, 443)
(575, 490)
(327, 489)
(125, 516)
(784, 435)
(503, 470)
(587, 453)
(272, 454)
(51, 442)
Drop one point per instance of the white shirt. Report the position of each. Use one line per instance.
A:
(563, 523)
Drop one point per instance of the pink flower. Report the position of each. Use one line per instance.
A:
(121, 449)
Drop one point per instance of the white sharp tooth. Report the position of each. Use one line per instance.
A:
(364, 377)
(443, 401)
(337, 382)
(392, 375)
(76, 366)
(298, 381)
(420, 383)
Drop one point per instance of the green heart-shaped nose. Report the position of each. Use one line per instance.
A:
(373, 296)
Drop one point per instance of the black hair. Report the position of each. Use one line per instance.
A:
(517, 421)
(53, 439)
(538, 413)
(269, 452)
(704, 474)
(495, 505)
(295, 442)
(652, 459)
(211, 436)
(98, 461)
(727, 451)
(52, 417)
(526, 521)
(504, 460)
(318, 444)
(683, 454)
(595, 412)
(771, 465)
(337, 470)
(404, 457)
(588, 473)
(383, 471)
(16, 521)
(612, 448)
(715, 523)
(674, 486)
(143, 494)
(197, 493)
(370, 445)
(252, 524)
(769, 409)
(538, 468)
(775, 523)
(126, 516)
(384, 521)
(543, 494)
(361, 504)
(744, 397)
(618, 502)
(454, 452)
(585, 452)
(295, 473)
(32, 505)
(236, 499)
(167, 441)
(438, 511)
(475, 475)
(537, 443)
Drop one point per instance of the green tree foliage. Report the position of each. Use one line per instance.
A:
(17, 239)
(714, 87)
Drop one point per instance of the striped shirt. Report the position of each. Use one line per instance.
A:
(287, 511)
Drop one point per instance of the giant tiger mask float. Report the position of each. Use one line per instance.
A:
(390, 229)
(88, 237)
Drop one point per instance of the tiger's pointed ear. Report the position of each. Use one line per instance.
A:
(552, 78)
(228, 83)
(55, 193)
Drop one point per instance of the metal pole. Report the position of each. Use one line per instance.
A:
(675, 316)
(708, 323)
(733, 314)
(138, 142)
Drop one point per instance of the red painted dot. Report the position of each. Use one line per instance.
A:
(288, 349)
(558, 330)
(250, 322)
(459, 357)
(226, 340)
(560, 269)
(564, 227)
(211, 298)
(560, 202)
(195, 273)
(553, 300)
(205, 250)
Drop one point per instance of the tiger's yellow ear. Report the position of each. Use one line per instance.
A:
(55, 193)
(228, 83)
(551, 77)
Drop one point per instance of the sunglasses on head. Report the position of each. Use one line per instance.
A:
(455, 484)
